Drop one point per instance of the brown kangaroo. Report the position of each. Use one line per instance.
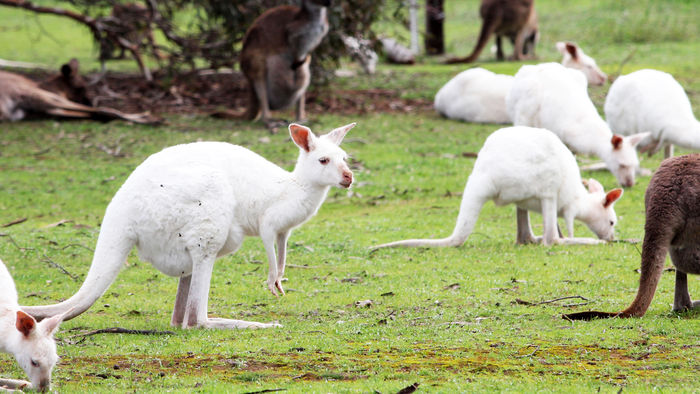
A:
(276, 55)
(21, 97)
(69, 84)
(672, 203)
(515, 19)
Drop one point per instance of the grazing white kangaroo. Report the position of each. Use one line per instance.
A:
(652, 100)
(672, 203)
(276, 55)
(189, 204)
(555, 97)
(532, 169)
(573, 57)
(30, 342)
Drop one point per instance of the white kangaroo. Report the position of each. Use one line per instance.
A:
(189, 204)
(573, 57)
(652, 100)
(532, 169)
(30, 342)
(554, 97)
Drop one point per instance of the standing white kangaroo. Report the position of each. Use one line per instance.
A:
(189, 204)
(554, 97)
(652, 100)
(30, 342)
(532, 169)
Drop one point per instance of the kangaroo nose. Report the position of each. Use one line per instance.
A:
(347, 179)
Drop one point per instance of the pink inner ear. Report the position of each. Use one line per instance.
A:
(612, 196)
(25, 323)
(300, 135)
(571, 48)
(616, 141)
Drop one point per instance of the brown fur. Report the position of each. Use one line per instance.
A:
(69, 84)
(21, 97)
(515, 19)
(672, 226)
(276, 55)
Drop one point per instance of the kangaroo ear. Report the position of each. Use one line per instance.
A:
(635, 139)
(50, 325)
(302, 136)
(594, 186)
(337, 135)
(25, 323)
(616, 141)
(612, 196)
(572, 49)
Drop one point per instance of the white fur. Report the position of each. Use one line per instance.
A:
(576, 59)
(189, 204)
(475, 95)
(554, 97)
(479, 95)
(651, 100)
(531, 168)
(35, 352)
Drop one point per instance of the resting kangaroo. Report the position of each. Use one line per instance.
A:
(189, 204)
(672, 203)
(276, 55)
(515, 19)
(30, 342)
(532, 169)
(21, 97)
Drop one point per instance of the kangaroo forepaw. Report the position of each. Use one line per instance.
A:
(275, 287)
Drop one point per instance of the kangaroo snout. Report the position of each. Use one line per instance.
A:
(347, 179)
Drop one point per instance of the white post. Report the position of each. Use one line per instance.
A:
(413, 15)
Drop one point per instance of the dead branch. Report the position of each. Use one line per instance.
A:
(56, 265)
(532, 353)
(523, 302)
(16, 221)
(14, 64)
(120, 330)
(12, 240)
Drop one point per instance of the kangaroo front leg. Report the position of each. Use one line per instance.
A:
(281, 256)
(524, 232)
(301, 108)
(183, 289)
(273, 278)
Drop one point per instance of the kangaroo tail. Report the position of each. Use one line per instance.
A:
(468, 213)
(110, 253)
(487, 29)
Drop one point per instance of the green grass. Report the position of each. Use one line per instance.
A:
(410, 172)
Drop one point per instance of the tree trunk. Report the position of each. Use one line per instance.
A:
(434, 35)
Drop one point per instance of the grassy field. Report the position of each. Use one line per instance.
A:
(445, 318)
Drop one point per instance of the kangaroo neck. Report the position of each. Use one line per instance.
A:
(10, 336)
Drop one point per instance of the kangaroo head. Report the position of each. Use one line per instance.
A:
(576, 59)
(37, 349)
(601, 218)
(623, 160)
(321, 161)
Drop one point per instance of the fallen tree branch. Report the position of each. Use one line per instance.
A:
(16, 221)
(60, 267)
(120, 330)
(523, 302)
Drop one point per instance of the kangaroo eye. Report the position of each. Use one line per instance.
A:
(35, 363)
(612, 223)
(323, 160)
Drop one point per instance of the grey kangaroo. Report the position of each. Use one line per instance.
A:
(276, 55)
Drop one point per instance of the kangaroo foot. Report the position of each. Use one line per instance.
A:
(228, 324)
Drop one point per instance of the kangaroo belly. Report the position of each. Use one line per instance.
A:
(284, 84)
